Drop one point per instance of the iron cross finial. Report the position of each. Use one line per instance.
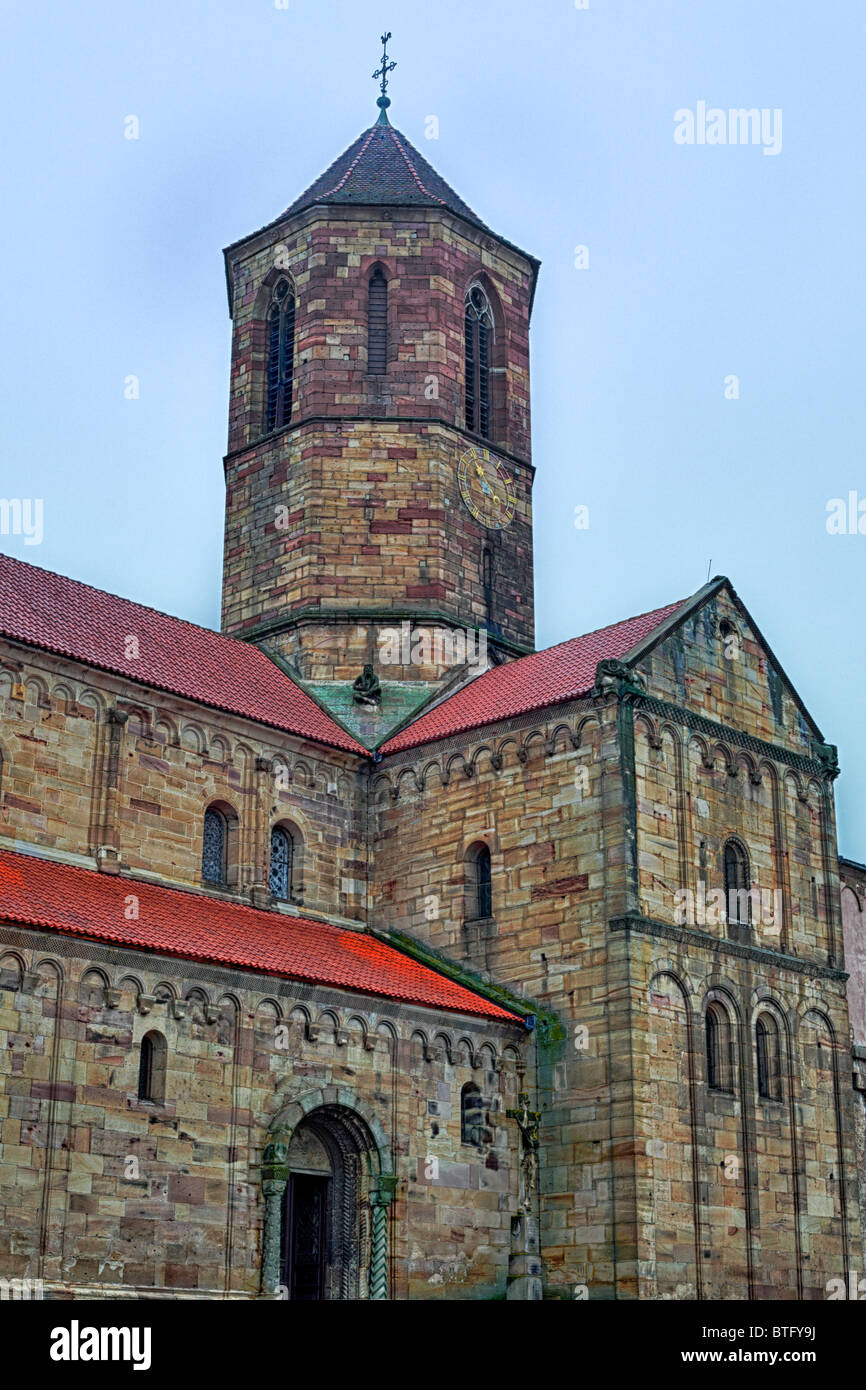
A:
(384, 100)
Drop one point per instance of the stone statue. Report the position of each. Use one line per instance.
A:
(367, 690)
(527, 1123)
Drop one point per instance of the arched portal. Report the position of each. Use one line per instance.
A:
(327, 1189)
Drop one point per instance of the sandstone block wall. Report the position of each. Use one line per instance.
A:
(429, 259)
(716, 1193)
(103, 1194)
(355, 503)
(135, 794)
(366, 515)
(545, 795)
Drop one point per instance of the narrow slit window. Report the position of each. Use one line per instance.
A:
(152, 1067)
(483, 883)
(487, 575)
(767, 1052)
(145, 1069)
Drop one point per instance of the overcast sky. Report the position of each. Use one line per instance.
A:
(706, 262)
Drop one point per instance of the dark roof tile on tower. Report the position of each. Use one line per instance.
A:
(382, 167)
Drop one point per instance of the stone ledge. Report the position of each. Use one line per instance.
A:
(687, 936)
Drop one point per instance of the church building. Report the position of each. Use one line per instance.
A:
(362, 951)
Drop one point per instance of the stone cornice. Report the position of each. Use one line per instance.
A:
(421, 617)
(690, 936)
(776, 752)
(485, 734)
(365, 417)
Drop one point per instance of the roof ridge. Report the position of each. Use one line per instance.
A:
(352, 167)
(413, 171)
(593, 632)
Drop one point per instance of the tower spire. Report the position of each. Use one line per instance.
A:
(384, 101)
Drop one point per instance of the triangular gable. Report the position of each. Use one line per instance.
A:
(706, 600)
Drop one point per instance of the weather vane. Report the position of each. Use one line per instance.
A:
(382, 72)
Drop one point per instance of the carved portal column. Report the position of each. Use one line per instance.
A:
(380, 1200)
(275, 1175)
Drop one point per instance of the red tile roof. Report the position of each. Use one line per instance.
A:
(532, 682)
(61, 615)
(80, 902)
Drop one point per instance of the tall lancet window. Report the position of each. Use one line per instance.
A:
(281, 355)
(377, 322)
(478, 328)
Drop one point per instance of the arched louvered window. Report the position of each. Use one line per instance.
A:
(738, 905)
(377, 322)
(213, 852)
(151, 1067)
(718, 1037)
(281, 356)
(478, 331)
(768, 1058)
(280, 878)
(471, 1115)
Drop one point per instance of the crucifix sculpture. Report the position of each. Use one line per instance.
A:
(527, 1123)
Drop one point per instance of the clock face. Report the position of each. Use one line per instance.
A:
(486, 488)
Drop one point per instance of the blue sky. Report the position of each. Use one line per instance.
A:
(557, 126)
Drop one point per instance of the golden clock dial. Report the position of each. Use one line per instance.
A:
(486, 487)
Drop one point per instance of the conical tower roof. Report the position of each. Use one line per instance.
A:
(381, 168)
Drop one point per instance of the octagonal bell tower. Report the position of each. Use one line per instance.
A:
(378, 475)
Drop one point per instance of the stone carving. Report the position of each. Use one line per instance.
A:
(828, 756)
(617, 675)
(367, 690)
(527, 1123)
